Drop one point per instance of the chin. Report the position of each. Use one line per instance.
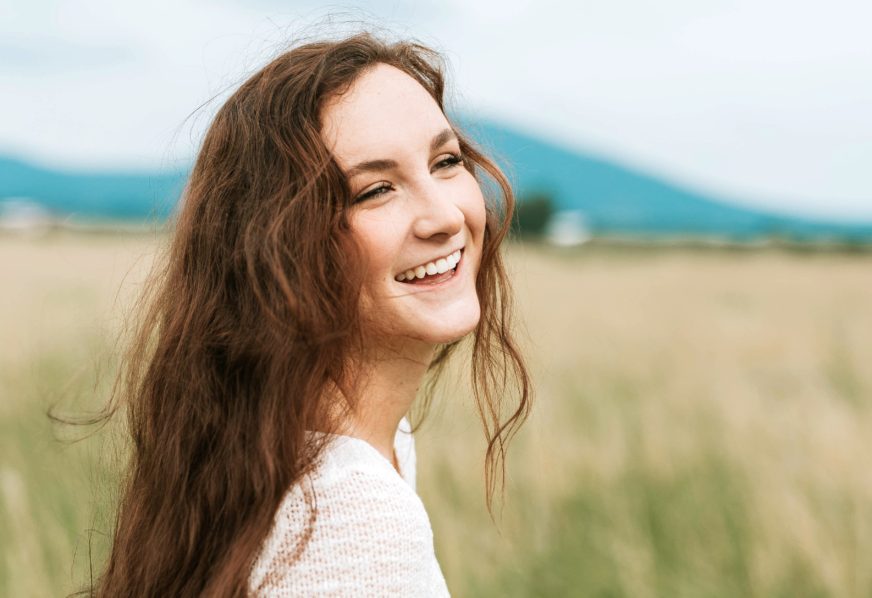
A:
(448, 338)
(442, 333)
(433, 323)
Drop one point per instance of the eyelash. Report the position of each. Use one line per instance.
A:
(454, 160)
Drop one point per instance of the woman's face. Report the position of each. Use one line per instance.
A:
(419, 214)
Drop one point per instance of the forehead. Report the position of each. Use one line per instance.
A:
(384, 114)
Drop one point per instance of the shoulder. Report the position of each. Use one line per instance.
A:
(370, 534)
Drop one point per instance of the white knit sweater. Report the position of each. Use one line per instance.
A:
(372, 536)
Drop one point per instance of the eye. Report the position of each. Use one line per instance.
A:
(452, 160)
(380, 190)
(448, 162)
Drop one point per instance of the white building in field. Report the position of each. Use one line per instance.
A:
(567, 228)
(24, 216)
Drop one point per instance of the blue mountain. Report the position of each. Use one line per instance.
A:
(613, 199)
(617, 200)
(122, 196)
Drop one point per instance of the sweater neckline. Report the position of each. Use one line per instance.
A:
(365, 444)
(400, 470)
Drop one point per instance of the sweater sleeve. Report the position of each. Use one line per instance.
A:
(371, 537)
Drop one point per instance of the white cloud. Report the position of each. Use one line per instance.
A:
(768, 100)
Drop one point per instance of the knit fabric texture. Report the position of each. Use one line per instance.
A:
(371, 535)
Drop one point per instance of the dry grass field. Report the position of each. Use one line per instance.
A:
(702, 426)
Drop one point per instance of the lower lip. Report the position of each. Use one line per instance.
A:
(438, 281)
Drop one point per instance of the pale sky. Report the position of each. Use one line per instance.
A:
(765, 101)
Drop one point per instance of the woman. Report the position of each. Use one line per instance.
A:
(332, 248)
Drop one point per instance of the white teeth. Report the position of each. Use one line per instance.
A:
(440, 266)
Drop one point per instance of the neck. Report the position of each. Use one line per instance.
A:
(390, 382)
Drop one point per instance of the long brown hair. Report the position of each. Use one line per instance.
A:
(244, 328)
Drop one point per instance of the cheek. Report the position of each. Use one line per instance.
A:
(475, 210)
(476, 219)
(377, 238)
(481, 213)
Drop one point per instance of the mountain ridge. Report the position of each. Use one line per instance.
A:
(614, 199)
(617, 199)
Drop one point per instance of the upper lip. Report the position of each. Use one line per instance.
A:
(439, 257)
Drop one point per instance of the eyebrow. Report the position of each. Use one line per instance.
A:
(438, 141)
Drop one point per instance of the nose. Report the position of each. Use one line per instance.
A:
(437, 214)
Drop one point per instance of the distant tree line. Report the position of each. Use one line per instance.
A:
(532, 213)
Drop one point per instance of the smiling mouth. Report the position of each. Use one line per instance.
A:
(432, 272)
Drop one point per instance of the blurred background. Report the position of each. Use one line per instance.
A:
(692, 258)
